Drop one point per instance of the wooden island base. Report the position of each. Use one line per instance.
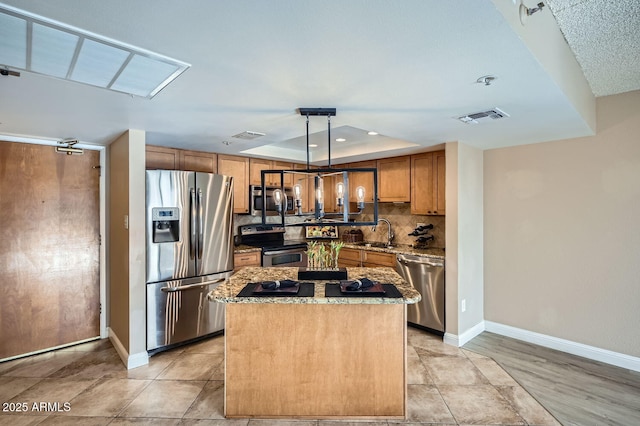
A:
(318, 361)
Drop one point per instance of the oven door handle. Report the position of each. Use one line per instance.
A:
(277, 252)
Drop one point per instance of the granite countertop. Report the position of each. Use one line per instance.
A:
(227, 291)
(435, 253)
(243, 248)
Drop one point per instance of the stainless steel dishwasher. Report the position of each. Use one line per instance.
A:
(427, 276)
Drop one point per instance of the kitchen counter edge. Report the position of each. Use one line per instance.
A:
(227, 291)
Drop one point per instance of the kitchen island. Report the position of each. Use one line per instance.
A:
(315, 357)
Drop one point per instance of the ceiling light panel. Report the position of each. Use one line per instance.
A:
(34, 43)
(13, 41)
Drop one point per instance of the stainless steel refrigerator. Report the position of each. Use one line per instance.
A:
(189, 234)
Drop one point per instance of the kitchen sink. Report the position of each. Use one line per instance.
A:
(377, 244)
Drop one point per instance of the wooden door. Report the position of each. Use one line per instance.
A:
(49, 248)
(256, 166)
(361, 179)
(160, 157)
(197, 161)
(422, 184)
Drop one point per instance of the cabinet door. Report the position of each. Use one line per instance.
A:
(308, 187)
(196, 161)
(428, 183)
(361, 179)
(377, 259)
(439, 162)
(349, 257)
(394, 179)
(256, 166)
(238, 167)
(288, 177)
(159, 157)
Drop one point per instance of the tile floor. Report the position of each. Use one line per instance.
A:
(185, 386)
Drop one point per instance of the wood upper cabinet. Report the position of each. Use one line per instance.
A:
(196, 161)
(308, 187)
(394, 179)
(361, 179)
(428, 183)
(238, 168)
(257, 165)
(159, 157)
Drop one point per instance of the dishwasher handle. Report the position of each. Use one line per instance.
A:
(405, 260)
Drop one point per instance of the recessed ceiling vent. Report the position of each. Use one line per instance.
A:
(249, 135)
(477, 117)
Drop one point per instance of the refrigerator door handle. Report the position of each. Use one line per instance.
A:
(190, 286)
(201, 224)
(192, 240)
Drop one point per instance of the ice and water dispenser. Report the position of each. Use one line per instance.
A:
(166, 224)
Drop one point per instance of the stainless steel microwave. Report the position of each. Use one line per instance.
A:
(256, 200)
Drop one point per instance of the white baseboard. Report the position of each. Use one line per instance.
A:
(130, 361)
(585, 351)
(462, 339)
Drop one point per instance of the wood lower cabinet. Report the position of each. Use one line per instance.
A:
(197, 161)
(428, 183)
(238, 168)
(349, 257)
(377, 259)
(394, 179)
(252, 258)
(159, 157)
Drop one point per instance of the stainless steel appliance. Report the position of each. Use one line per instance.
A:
(276, 251)
(427, 276)
(256, 200)
(189, 233)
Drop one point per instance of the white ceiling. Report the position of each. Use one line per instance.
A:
(404, 68)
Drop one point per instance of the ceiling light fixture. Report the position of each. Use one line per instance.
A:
(341, 140)
(372, 133)
(37, 44)
(313, 145)
(337, 176)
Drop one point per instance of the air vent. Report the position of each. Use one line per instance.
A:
(477, 117)
(249, 135)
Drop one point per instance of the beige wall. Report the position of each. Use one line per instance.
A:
(464, 234)
(562, 233)
(127, 267)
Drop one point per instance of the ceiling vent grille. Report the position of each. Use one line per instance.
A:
(249, 135)
(477, 117)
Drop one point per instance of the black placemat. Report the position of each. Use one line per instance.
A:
(306, 290)
(333, 290)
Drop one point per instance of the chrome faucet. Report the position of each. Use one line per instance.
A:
(390, 234)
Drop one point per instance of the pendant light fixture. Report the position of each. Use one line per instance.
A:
(320, 176)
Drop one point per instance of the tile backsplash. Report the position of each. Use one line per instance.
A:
(399, 214)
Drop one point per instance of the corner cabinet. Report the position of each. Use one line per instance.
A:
(394, 179)
(238, 168)
(428, 183)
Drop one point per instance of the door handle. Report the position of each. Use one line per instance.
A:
(190, 286)
(201, 224)
(192, 240)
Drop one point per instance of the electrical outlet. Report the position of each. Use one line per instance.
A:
(126, 221)
(463, 305)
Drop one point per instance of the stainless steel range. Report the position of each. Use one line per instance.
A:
(276, 251)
